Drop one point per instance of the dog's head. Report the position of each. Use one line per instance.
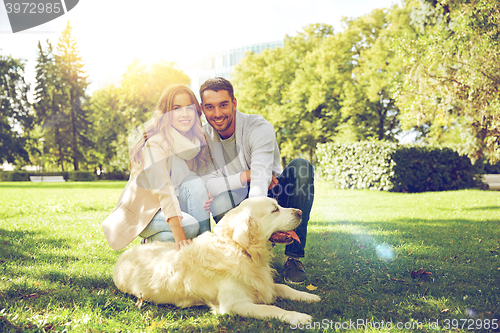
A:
(256, 220)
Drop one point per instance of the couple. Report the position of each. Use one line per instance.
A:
(181, 171)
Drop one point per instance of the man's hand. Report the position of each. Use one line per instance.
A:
(208, 204)
(274, 182)
(245, 179)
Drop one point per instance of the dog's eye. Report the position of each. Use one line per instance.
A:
(276, 210)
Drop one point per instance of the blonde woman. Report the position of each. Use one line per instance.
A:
(164, 197)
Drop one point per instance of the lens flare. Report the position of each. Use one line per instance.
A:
(470, 313)
(385, 252)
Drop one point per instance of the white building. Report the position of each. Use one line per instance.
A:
(222, 63)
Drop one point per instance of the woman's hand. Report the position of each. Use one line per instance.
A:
(183, 243)
(208, 204)
(178, 231)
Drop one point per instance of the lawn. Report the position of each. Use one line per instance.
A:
(424, 261)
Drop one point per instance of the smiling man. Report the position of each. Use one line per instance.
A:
(247, 164)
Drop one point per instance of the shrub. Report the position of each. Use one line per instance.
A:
(492, 167)
(114, 176)
(393, 167)
(82, 176)
(15, 176)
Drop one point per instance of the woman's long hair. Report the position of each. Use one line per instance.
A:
(160, 124)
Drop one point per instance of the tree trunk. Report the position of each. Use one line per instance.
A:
(74, 144)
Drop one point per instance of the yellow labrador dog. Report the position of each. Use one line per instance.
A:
(227, 270)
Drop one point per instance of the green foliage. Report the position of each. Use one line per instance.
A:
(393, 167)
(117, 110)
(59, 93)
(452, 73)
(322, 85)
(15, 111)
(114, 176)
(74, 84)
(109, 128)
(142, 85)
(14, 176)
(82, 176)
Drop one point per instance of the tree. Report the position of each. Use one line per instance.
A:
(74, 83)
(453, 73)
(322, 86)
(16, 118)
(50, 105)
(263, 82)
(368, 106)
(109, 128)
(116, 111)
(142, 86)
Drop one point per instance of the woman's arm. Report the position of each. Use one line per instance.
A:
(155, 157)
(178, 231)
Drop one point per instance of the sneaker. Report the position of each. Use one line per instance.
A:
(294, 271)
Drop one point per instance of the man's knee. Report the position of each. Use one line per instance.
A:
(302, 172)
(300, 169)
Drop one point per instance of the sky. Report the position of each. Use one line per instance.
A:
(111, 33)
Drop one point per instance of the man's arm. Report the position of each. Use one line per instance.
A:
(217, 183)
(262, 149)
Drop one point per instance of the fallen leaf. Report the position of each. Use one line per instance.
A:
(311, 287)
(420, 271)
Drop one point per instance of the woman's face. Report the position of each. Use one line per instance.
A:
(184, 113)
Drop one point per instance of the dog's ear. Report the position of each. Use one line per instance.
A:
(242, 229)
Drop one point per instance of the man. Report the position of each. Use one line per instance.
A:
(247, 164)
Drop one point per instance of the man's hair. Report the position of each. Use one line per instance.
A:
(216, 84)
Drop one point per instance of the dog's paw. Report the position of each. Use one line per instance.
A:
(294, 318)
(311, 298)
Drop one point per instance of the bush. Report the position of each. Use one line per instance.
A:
(15, 176)
(393, 167)
(114, 176)
(492, 168)
(82, 176)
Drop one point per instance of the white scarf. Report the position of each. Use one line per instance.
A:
(182, 150)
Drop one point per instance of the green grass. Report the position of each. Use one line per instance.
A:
(56, 267)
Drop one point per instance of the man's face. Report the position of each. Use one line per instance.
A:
(220, 111)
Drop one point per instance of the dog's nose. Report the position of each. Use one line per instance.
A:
(299, 213)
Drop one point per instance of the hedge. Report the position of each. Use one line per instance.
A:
(12, 176)
(394, 167)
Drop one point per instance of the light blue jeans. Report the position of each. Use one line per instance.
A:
(192, 197)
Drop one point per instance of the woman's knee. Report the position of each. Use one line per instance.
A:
(195, 186)
(225, 202)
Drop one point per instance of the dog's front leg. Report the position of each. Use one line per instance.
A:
(263, 311)
(234, 299)
(285, 291)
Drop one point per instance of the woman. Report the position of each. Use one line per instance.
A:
(164, 198)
